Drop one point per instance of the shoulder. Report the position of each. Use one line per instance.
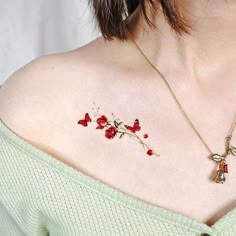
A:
(52, 84)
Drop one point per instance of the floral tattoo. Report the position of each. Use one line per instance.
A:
(114, 128)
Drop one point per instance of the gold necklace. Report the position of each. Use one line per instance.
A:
(222, 167)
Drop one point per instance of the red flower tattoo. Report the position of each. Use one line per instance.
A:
(111, 132)
(116, 128)
(101, 121)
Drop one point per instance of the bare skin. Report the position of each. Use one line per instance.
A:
(43, 101)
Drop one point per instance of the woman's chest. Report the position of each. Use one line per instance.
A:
(180, 179)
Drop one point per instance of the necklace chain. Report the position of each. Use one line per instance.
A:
(178, 103)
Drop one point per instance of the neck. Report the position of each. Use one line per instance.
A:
(209, 49)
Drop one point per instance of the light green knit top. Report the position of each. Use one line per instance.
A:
(40, 195)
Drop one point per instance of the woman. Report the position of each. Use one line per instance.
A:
(96, 141)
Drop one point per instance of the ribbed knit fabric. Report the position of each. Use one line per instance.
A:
(40, 195)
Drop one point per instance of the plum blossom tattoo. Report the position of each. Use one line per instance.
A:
(116, 128)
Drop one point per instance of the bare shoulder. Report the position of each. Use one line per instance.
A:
(47, 88)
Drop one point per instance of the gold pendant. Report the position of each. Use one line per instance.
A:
(222, 166)
(221, 170)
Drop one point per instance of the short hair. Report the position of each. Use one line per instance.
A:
(111, 15)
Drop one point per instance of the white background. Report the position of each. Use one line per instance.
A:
(29, 29)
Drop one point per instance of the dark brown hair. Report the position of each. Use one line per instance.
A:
(111, 15)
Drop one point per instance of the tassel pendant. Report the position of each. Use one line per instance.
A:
(222, 166)
(220, 177)
(220, 174)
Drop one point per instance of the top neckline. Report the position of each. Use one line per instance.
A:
(110, 192)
